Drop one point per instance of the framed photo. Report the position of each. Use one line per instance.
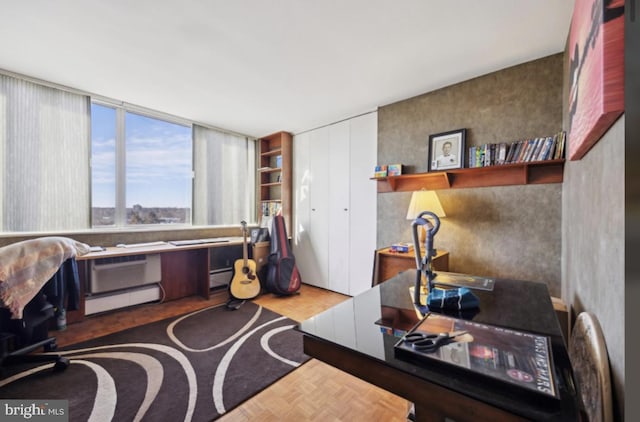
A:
(446, 150)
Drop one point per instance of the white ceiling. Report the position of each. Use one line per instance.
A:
(260, 66)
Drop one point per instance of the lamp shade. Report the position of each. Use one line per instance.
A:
(424, 200)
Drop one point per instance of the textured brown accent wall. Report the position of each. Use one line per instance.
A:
(513, 231)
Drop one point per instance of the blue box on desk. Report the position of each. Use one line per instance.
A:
(401, 247)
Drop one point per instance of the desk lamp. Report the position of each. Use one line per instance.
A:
(424, 200)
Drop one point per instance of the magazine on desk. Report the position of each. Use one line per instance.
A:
(515, 357)
(448, 279)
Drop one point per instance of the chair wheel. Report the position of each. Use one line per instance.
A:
(51, 347)
(61, 364)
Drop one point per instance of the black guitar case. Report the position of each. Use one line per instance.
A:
(283, 277)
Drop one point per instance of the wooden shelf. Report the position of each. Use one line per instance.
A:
(271, 152)
(270, 170)
(274, 175)
(537, 172)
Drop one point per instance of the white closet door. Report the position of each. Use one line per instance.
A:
(338, 228)
(319, 207)
(301, 242)
(363, 201)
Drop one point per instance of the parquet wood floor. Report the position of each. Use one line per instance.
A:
(313, 392)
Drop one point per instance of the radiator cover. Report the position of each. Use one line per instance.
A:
(123, 272)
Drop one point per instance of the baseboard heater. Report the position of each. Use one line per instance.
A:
(121, 299)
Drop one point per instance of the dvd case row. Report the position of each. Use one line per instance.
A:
(525, 150)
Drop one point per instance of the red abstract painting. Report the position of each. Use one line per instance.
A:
(596, 66)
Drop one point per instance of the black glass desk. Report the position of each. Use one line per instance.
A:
(358, 335)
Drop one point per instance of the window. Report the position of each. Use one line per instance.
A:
(155, 183)
(69, 164)
(143, 170)
(103, 165)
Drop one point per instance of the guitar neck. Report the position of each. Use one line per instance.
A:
(245, 257)
(244, 251)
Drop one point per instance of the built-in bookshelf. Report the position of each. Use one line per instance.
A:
(274, 177)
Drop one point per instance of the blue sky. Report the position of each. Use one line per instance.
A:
(158, 160)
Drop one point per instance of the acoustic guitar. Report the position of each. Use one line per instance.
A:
(245, 283)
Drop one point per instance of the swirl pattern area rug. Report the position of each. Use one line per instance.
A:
(190, 368)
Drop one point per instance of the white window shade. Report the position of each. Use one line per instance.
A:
(44, 158)
(224, 185)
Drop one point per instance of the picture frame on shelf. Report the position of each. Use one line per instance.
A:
(447, 150)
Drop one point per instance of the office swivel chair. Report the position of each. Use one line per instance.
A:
(20, 337)
(590, 362)
(30, 270)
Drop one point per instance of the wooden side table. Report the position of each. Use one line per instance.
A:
(388, 264)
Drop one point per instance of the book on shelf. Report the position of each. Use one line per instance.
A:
(270, 208)
(526, 145)
(560, 145)
(479, 156)
(502, 153)
(489, 150)
(535, 150)
(394, 169)
(544, 152)
(553, 148)
(380, 171)
(517, 145)
(511, 151)
(495, 150)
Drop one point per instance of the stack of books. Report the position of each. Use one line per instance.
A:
(270, 208)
